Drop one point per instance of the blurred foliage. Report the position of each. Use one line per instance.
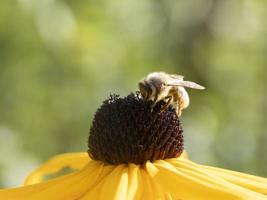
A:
(59, 60)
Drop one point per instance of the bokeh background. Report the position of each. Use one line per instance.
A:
(59, 59)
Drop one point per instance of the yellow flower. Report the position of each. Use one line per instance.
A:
(176, 178)
(135, 154)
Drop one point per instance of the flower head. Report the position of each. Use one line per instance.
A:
(125, 130)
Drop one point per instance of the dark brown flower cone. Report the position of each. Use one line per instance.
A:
(125, 130)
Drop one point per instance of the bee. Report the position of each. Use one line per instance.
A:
(159, 86)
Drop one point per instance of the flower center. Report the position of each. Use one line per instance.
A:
(125, 130)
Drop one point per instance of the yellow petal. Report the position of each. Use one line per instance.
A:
(93, 193)
(55, 164)
(123, 182)
(135, 183)
(184, 155)
(152, 190)
(186, 181)
(70, 186)
(148, 192)
(254, 183)
(127, 182)
(251, 182)
(115, 184)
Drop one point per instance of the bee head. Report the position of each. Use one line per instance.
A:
(145, 90)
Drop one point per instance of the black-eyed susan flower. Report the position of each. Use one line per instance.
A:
(136, 154)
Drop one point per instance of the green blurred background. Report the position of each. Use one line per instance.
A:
(59, 60)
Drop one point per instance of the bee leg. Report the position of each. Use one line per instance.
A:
(179, 112)
(154, 102)
(179, 109)
(168, 103)
(153, 106)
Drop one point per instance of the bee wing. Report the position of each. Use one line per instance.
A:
(188, 84)
(176, 76)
